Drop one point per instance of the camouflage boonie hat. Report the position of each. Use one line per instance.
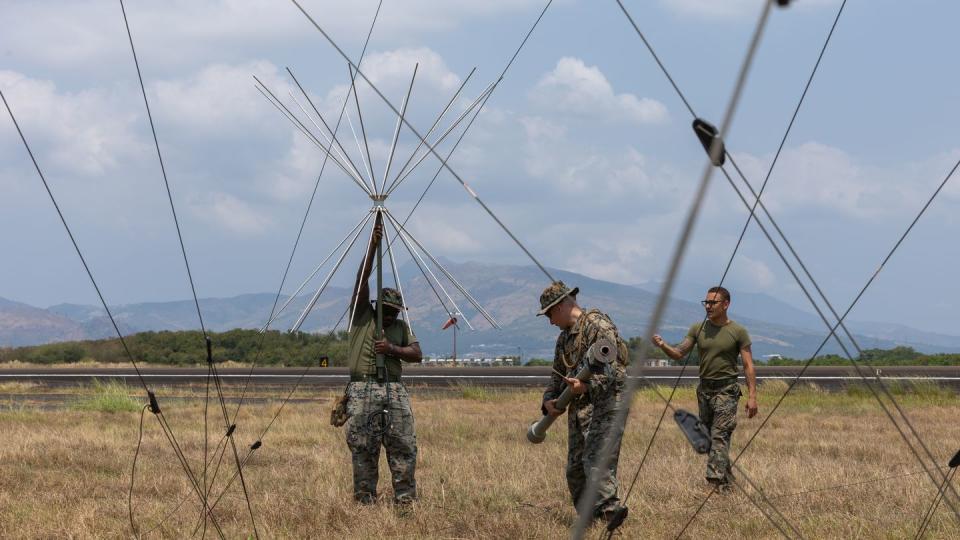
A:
(553, 294)
(391, 297)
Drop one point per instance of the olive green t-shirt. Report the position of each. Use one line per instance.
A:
(719, 347)
(362, 359)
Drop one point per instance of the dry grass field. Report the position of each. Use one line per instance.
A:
(831, 462)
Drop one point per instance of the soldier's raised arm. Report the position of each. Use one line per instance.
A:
(361, 290)
(678, 352)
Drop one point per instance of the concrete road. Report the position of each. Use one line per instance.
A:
(828, 377)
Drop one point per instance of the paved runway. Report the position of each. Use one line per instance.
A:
(831, 377)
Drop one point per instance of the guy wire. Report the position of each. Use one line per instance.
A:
(186, 262)
(752, 210)
(869, 386)
(171, 438)
(588, 498)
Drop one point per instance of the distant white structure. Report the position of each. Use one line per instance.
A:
(470, 362)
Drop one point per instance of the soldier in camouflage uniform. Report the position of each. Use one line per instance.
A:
(719, 341)
(591, 422)
(368, 426)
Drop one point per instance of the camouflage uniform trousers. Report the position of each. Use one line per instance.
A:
(718, 403)
(590, 426)
(366, 433)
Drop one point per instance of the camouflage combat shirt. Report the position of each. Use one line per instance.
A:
(572, 345)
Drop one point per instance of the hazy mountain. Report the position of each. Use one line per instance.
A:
(21, 324)
(509, 293)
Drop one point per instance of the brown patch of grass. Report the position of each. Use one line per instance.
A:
(66, 473)
(17, 387)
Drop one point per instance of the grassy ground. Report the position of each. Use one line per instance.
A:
(66, 472)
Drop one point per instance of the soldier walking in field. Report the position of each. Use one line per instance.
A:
(379, 406)
(591, 422)
(719, 341)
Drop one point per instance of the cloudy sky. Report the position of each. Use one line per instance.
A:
(583, 150)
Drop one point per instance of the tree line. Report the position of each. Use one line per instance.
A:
(187, 347)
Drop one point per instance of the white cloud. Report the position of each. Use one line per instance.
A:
(182, 32)
(574, 87)
(232, 214)
(613, 257)
(221, 98)
(753, 274)
(817, 176)
(77, 131)
(397, 66)
(602, 173)
(444, 237)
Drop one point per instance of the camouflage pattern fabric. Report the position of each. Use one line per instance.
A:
(589, 428)
(553, 294)
(718, 411)
(392, 298)
(366, 434)
(591, 416)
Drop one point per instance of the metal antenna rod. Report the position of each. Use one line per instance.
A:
(449, 276)
(434, 126)
(453, 148)
(482, 97)
(310, 136)
(343, 110)
(341, 161)
(323, 286)
(363, 130)
(428, 145)
(316, 271)
(330, 142)
(396, 131)
(306, 133)
(476, 304)
(399, 283)
(424, 266)
(359, 149)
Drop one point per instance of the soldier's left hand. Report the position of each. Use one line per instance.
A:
(576, 385)
(751, 407)
(382, 346)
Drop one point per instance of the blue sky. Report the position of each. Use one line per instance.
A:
(583, 150)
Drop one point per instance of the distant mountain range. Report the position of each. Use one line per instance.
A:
(509, 293)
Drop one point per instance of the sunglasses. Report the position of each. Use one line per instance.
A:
(710, 302)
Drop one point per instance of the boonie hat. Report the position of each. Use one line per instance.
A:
(392, 298)
(553, 294)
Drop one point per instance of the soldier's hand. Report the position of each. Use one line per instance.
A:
(378, 231)
(552, 410)
(576, 385)
(657, 340)
(751, 407)
(382, 346)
